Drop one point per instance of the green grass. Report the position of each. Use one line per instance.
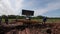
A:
(49, 20)
(40, 20)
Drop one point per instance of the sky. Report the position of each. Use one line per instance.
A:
(50, 8)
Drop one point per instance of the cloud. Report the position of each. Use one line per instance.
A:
(54, 5)
(39, 6)
(7, 8)
(17, 6)
(42, 6)
(50, 6)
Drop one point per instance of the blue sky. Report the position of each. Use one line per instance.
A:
(53, 13)
(50, 8)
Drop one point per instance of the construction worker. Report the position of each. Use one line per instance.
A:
(6, 19)
(44, 20)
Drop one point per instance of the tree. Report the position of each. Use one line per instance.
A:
(40, 17)
(11, 16)
(3, 16)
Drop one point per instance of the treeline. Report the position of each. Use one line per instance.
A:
(12, 16)
(22, 17)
